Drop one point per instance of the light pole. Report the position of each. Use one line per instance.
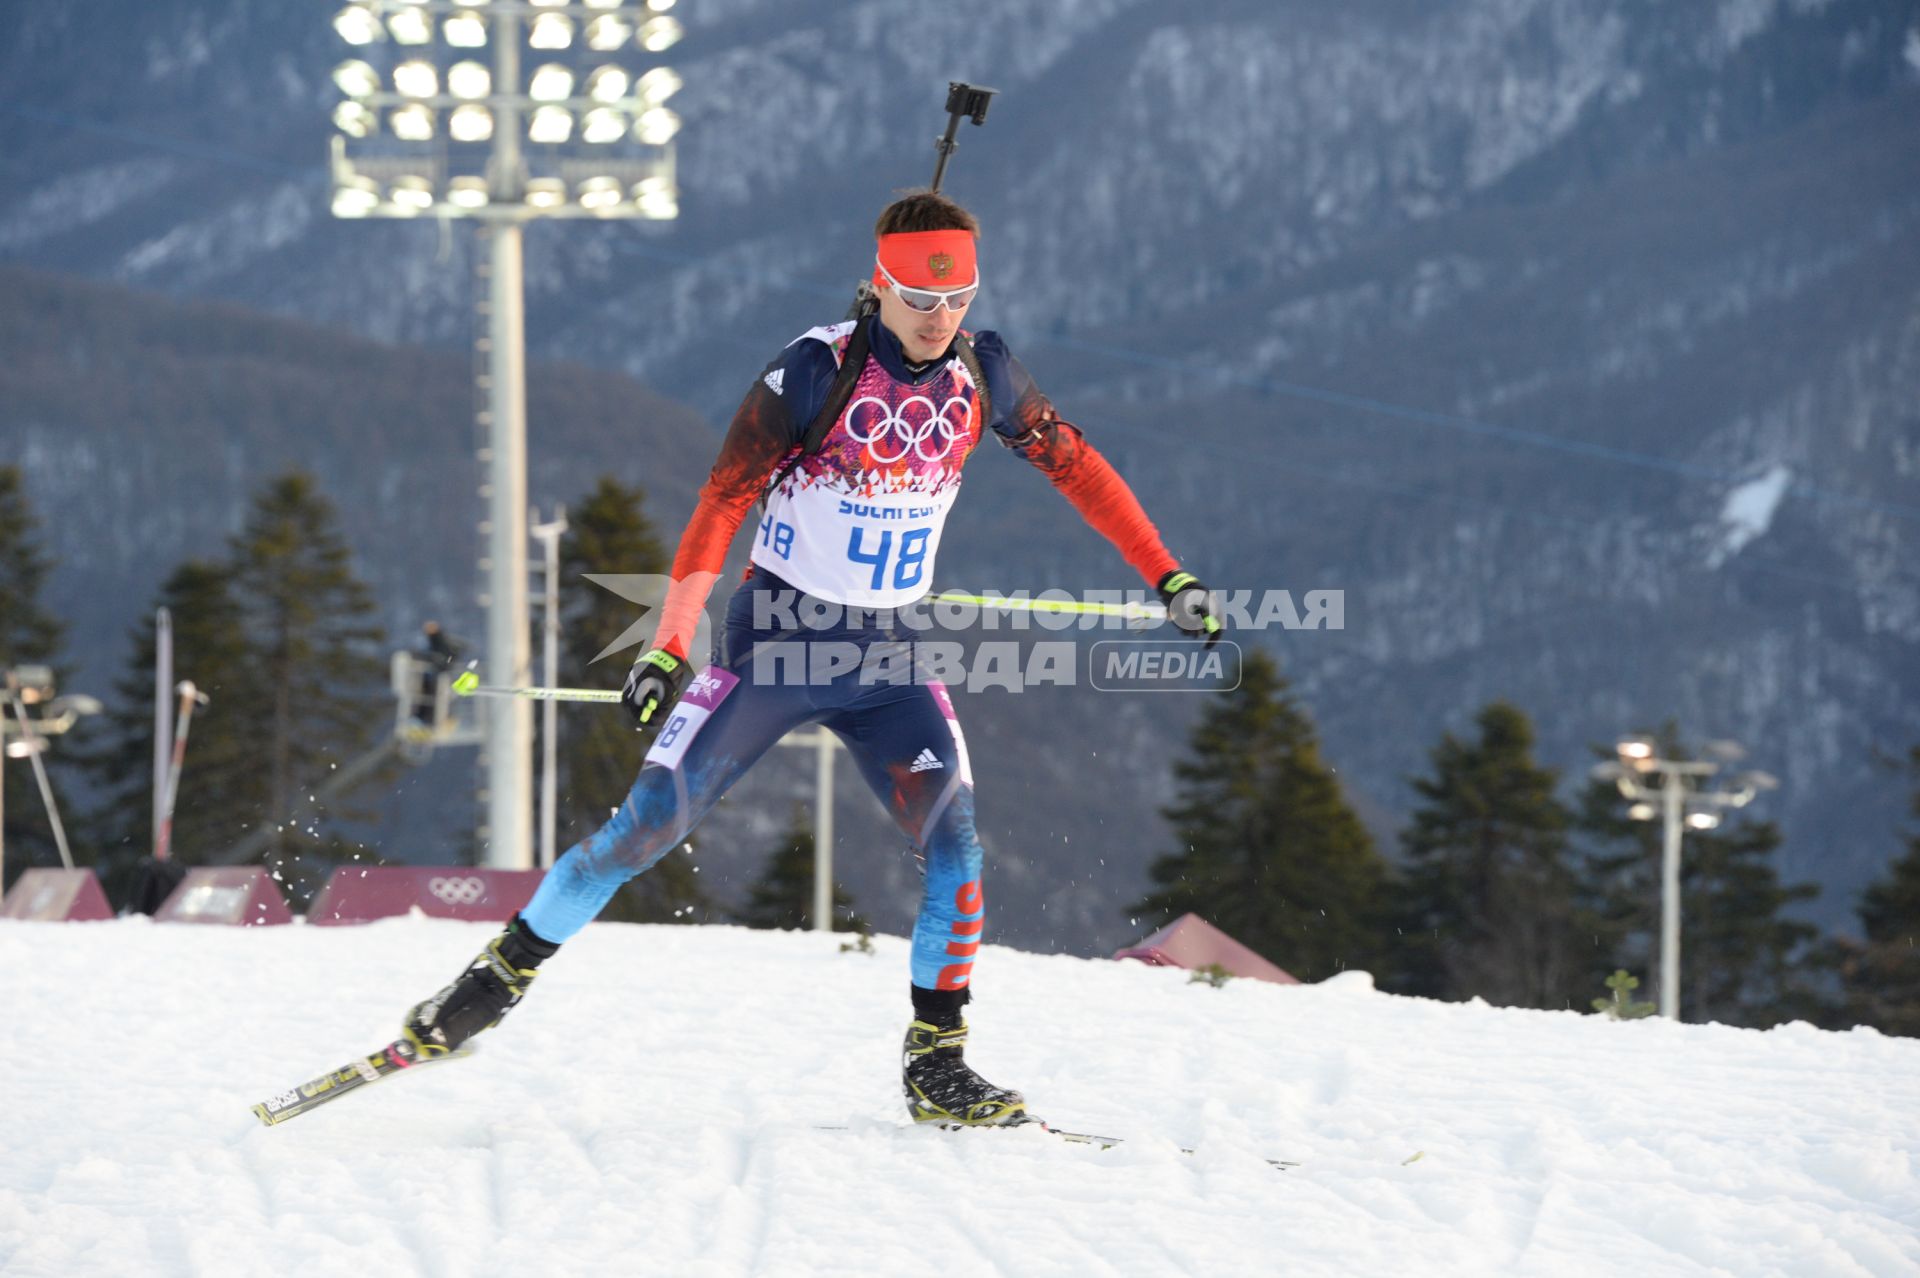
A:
(548, 535)
(162, 720)
(824, 744)
(566, 143)
(1675, 790)
(21, 687)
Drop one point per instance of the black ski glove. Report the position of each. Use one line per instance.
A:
(1190, 606)
(653, 685)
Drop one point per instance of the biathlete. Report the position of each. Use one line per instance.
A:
(854, 437)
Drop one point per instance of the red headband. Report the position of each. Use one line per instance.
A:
(928, 259)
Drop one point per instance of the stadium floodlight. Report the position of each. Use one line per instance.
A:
(355, 119)
(1635, 749)
(602, 125)
(356, 79)
(354, 196)
(357, 25)
(656, 199)
(656, 86)
(416, 78)
(468, 192)
(608, 83)
(600, 193)
(550, 124)
(410, 26)
(469, 80)
(551, 82)
(465, 31)
(412, 122)
(656, 126)
(546, 193)
(657, 35)
(551, 31)
(1679, 793)
(470, 122)
(608, 32)
(411, 194)
(456, 115)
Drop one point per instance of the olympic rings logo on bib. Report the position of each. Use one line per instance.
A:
(893, 428)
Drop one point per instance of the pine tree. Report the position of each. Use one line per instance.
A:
(599, 752)
(29, 635)
(314, 676)
(222, 788)
(1742, 962)
(1617, 886)
(1620, 1004)
(1270, 851)
(1488, 907)
(1883, 975)
(782, 897)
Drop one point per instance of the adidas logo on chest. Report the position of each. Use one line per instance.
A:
(925, 761)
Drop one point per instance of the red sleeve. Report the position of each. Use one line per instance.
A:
(1090, 482)
(757, 442)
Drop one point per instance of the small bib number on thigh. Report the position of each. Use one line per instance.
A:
(704, 695)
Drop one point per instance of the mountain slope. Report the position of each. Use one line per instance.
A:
(1505, 317)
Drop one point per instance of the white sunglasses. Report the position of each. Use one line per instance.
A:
(929, 300)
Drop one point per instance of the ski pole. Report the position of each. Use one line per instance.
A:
(468, 684)
(190, 696)
(1142, 612)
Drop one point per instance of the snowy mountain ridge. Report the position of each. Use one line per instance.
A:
(1483, 313)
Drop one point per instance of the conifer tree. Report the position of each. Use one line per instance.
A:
(315, 686)
(1271, 853)
(29, 635)
(599, 751)
(782, 897)
(1488, 907)
(1742, 960)
(1883, 975)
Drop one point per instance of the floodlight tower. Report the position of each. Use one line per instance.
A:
(468, 140)
(20, 687)
(1677, 791)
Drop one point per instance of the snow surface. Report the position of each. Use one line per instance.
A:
(1748, 512)
(653, 1108)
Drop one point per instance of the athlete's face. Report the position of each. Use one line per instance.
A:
(923, 335)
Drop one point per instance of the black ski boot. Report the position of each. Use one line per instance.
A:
(497, 978)
(942, 1088)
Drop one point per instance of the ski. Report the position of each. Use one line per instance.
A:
(1075, 1138)
(1109, 1142)
(334, 1084)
